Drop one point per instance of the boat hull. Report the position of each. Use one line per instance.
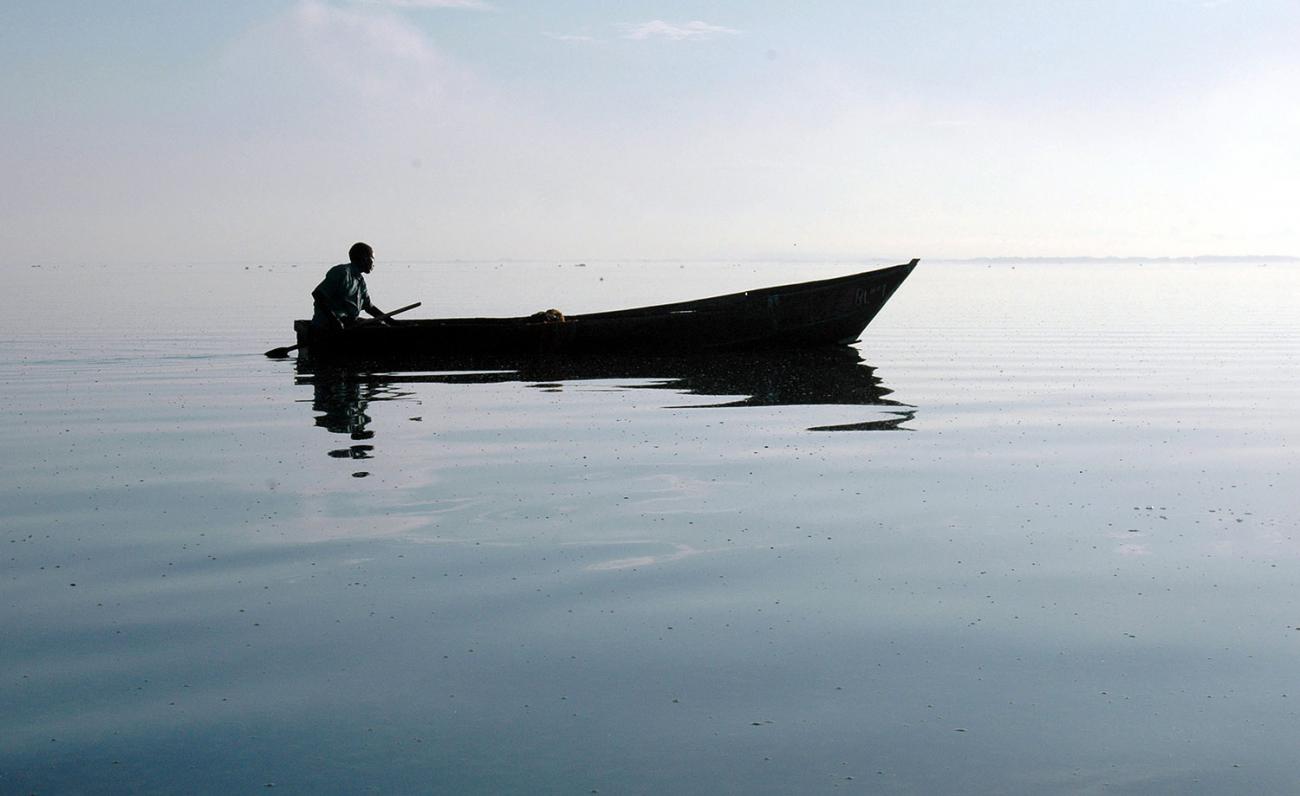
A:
(821, 313)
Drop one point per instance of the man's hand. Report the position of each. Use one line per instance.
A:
(379, 315)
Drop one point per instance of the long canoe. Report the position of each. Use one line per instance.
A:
(822, 313)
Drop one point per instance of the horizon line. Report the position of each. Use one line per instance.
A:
(576, 261)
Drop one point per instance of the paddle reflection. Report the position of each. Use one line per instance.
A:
(341, 393)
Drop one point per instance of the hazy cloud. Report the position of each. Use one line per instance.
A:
(376, 54)
(568, 36)
(658, 29)
(477, 5)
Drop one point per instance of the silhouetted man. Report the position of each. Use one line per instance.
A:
(342, 294)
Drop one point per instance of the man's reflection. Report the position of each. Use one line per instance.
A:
(342, 402)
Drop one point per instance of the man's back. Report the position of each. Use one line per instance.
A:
(342, 294)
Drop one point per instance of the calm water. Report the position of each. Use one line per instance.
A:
(1037, 534)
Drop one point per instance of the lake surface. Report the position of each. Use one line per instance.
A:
(1036, 533)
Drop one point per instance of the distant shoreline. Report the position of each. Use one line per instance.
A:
(1218, 258)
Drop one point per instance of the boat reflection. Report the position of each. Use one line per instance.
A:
(839, 376)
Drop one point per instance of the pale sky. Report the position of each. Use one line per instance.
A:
(273, 131)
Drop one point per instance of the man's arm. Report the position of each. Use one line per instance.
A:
(383, 317)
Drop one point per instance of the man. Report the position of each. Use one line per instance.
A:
(342, 294)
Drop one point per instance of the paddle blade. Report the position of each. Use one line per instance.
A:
(280, 353)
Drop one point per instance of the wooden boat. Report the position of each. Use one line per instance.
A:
(821, 313)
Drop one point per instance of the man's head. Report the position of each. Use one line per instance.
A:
(362, 256)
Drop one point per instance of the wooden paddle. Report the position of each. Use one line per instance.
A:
(280, 353)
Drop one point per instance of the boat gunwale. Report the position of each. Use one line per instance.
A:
(720, 303)
(792, 289)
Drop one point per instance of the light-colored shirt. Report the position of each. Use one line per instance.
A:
(342, 293)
